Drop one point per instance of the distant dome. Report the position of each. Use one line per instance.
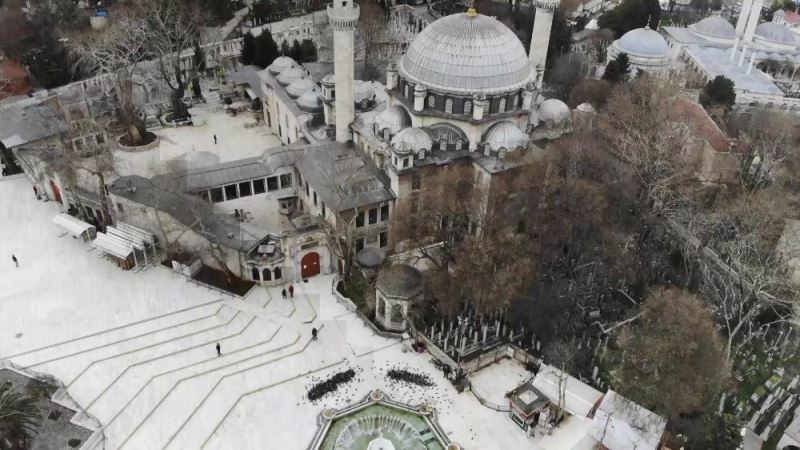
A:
(370, 257)
(465, 54)
(297, 87)
(400, 280)
(585, 107)
(776, 33)
(362, 90)
(643, 42)
(554, 109)
(395, 118)
(310, 100)
(280, 64)
(505, 135)
(412, 140)
(291, 74)
(714, 27)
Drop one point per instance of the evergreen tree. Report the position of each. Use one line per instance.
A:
(309, 50)
(617, 69)
(296, 52)
(718, 92)
(286, 50)
(631, 14)
(248, 49)
(199, 59)
(266, 50)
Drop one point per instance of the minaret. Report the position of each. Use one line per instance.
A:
(343, 17)
(752, 21)
(741, 22)
(540, 38)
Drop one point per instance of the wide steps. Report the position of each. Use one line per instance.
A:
(185, 411)
(174, 391)
(101, 372)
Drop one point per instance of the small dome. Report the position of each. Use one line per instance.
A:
(362, 90)
(297, 87)
(714, 27)
(554, 109)
(505, 135)
(370, 257)
(329, 80)
(412, 140)
(400, 280)
(311, 100)
(280, 64)
(465, 53)
(586, 107)
(395, 118)
(643, 42)
(291, 74)
(776, 32)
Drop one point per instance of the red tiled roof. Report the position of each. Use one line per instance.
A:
(695, 116)
(791, 17)
(17, 77)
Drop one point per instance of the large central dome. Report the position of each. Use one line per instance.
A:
(465, 54)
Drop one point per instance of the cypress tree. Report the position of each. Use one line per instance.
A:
(248, 50)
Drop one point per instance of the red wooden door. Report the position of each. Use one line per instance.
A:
(310, 265)
(56, 191)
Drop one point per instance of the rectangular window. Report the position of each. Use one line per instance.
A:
(286, 180)
(258, 186)
(323, 209)
(373, 216)
(272, 184)
(359, 244)
(406, 162)
(416, 181)
(384, 239)
(384, 213)
(307, 189)
(230, 192)
(216, 195)
(299, 179)
(315, 199)
(245, 189)
(360, 219)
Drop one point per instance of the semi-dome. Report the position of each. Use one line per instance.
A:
(393, 118)
(554, 109)
(643, 42)
(505, 135)
(400, 280)
(776, 33)
(464, 54)
(297, 87)
(412, 140)
(714, 27)
(287, 76)
(310, 100)
(280, 64)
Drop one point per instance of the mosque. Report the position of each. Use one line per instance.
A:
(762, 59)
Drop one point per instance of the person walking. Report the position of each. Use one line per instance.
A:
(219, 352)
(215, 139)
(283, 292)
(291, 290)
(313, 334)
(14, 258)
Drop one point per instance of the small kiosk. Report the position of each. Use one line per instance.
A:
(75, 227)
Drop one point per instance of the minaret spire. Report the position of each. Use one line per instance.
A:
(343, 17)
(540, 38)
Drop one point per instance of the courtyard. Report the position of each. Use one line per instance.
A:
(136, 350)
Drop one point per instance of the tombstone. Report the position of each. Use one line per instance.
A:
(485, 329)
(596, 370)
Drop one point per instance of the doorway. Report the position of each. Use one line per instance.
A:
(309, 265)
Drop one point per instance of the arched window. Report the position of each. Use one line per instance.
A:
(397, 313)
(468, 107)
(381, 308)
(515, 105)
(502, 107)
(277, 273)
(448, 106)
(442, 144)
(267, 275)
(364, 103)
(386, 133)
(255, 274)
(431, 101)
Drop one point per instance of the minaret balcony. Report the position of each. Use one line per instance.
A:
(343, 17)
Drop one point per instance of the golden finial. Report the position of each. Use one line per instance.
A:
(471, 12)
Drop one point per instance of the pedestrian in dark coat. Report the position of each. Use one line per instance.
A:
(283, 292)
(291, 290)
(219, 352)
(313, 334)
(14, 258)
(215, 139)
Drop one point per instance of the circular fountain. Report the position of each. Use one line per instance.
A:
(380, 444)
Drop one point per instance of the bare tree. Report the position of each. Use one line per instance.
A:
(769, 139)
(373, 24)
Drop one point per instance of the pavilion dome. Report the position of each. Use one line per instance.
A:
(395, 118)
(715, 27)
(412, 140)
(400, 280)
(643, 42)
(287, 76)
(280, 64)
(777, 33)
(310, 100)
(297, 87)
(554, 109)
(466, 53)
(505, 135)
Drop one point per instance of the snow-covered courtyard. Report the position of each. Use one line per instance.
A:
(136, 350)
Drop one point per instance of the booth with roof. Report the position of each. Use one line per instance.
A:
(75, 227)
(128, 246)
